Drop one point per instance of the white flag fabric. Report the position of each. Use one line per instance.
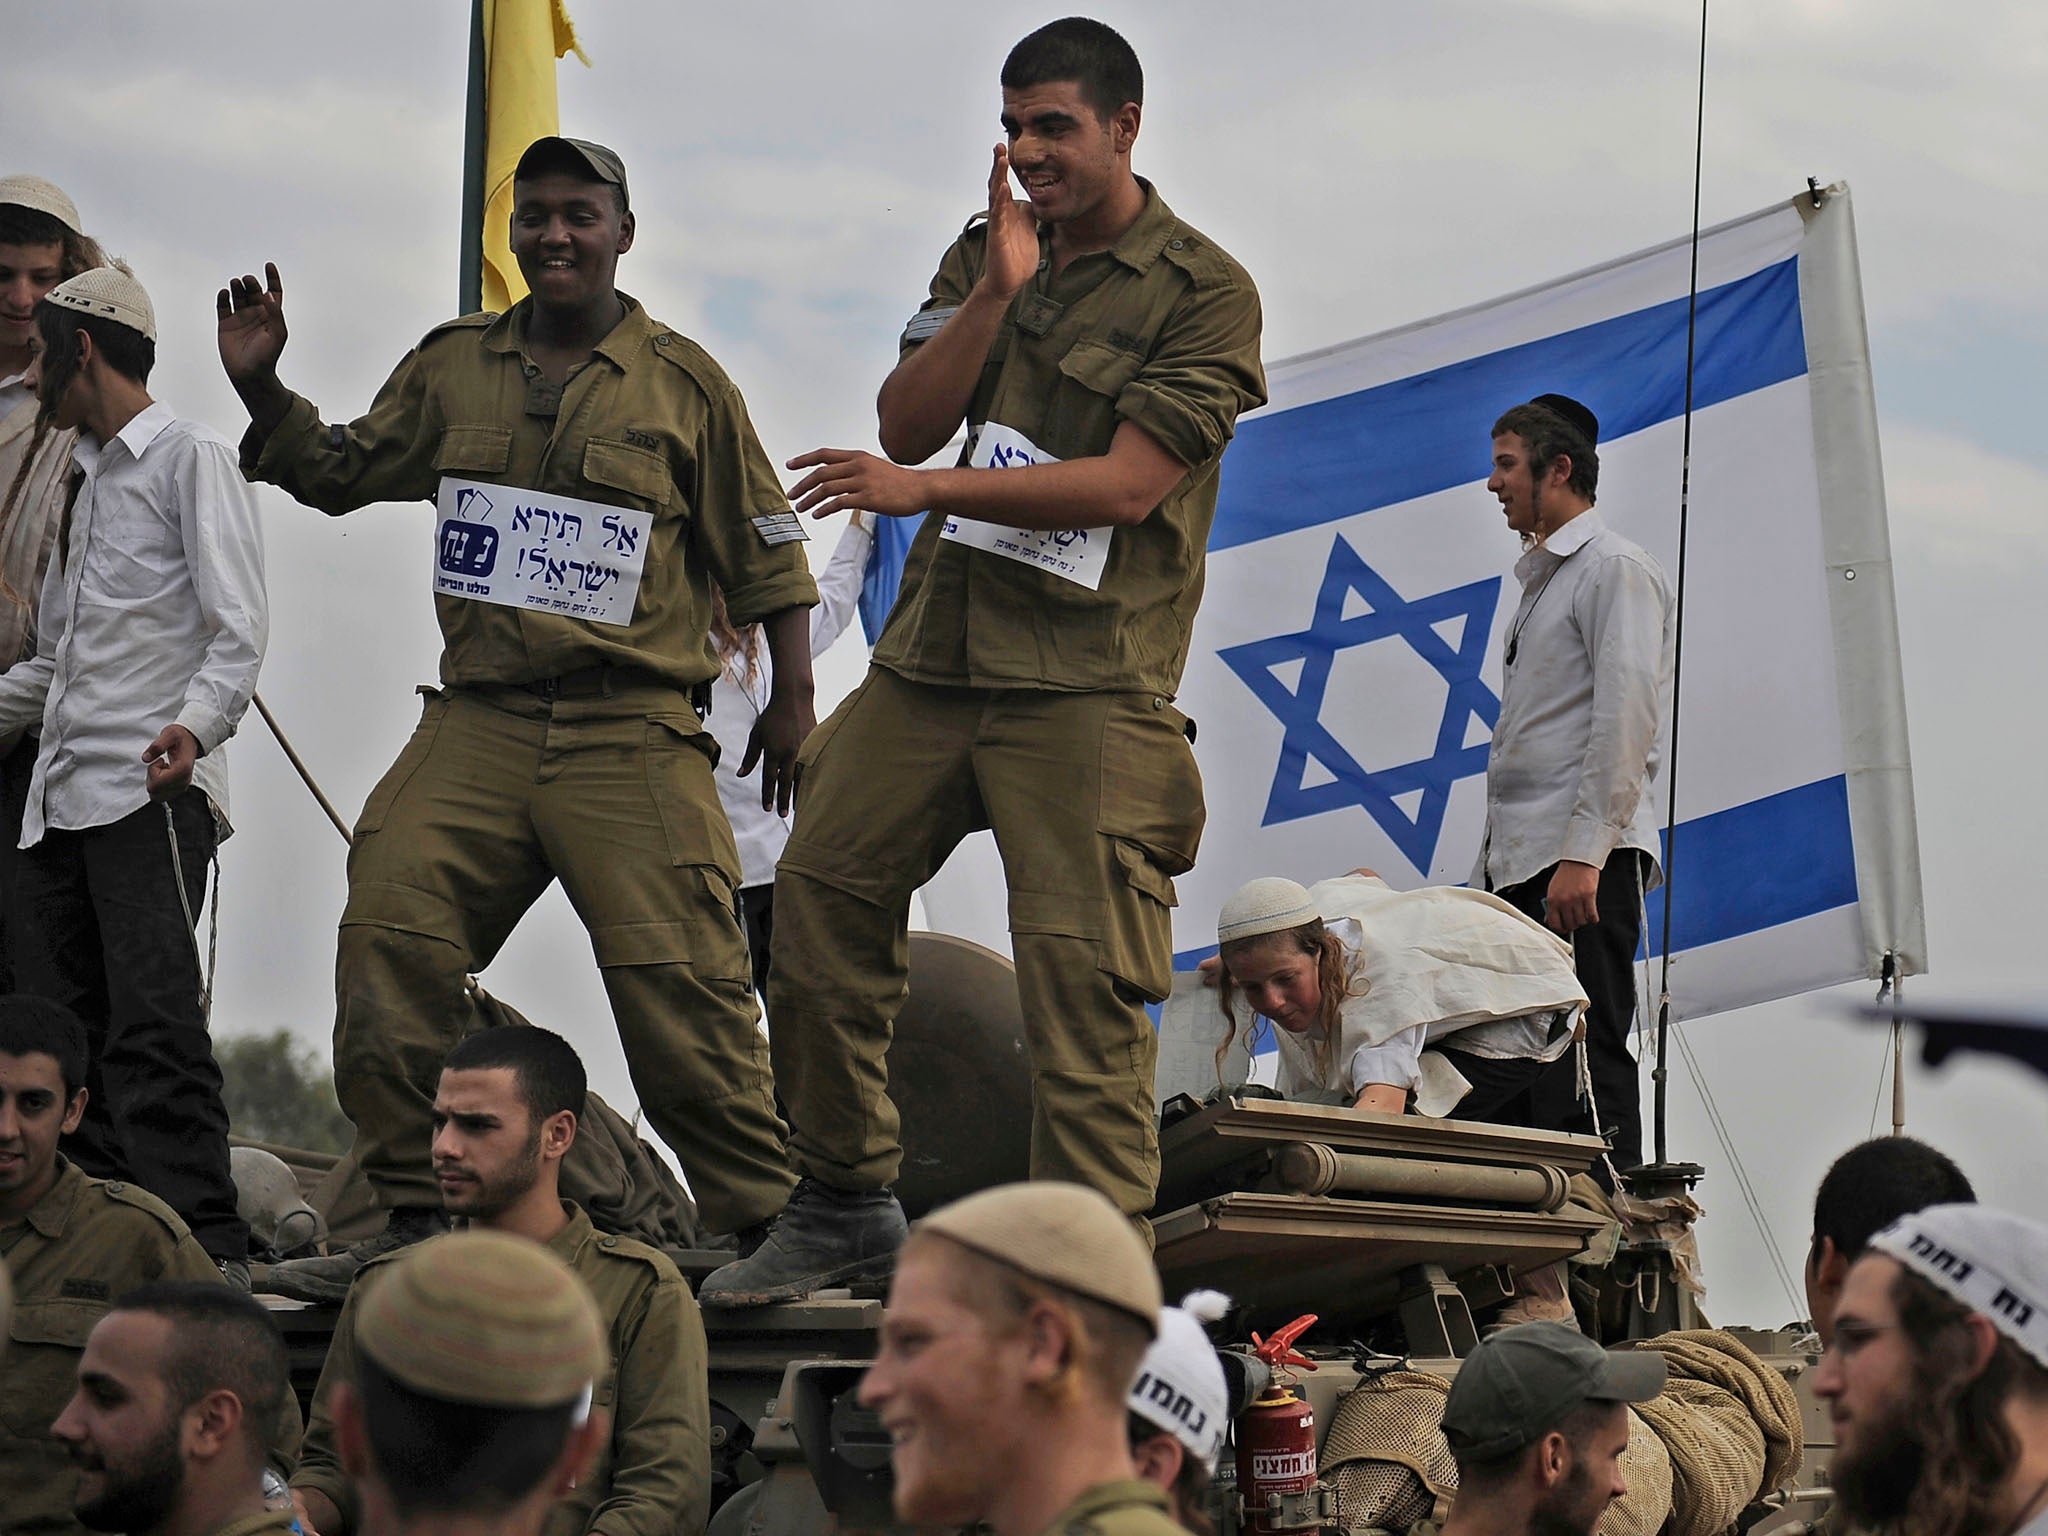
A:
(1345, 670)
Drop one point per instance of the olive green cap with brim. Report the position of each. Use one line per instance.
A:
(484, 1319)
(1519, 1385)
(602, 163)
(1066, 1235)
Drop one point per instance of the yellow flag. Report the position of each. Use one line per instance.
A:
(522, 40)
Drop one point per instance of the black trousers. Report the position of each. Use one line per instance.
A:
(102, 931)
(1503, 1092)
(1605, 952)
(15, 770)
(757, 917)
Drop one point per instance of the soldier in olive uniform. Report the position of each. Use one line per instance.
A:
(72, 1246)
(504, 1116)
(470, 1400)
(1099, 351)
(596, 472)
(179, 1394)
(1016, 1321)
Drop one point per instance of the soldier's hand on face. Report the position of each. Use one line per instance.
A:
(251, 325)
(1572, 901)
(841, 479)
(777, 737)
(1012, 233)
(171, 758)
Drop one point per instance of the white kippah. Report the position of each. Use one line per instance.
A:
(1990, 1261)
(43, 196)
(1270, 904)
(1180, 1387)
(111, 293)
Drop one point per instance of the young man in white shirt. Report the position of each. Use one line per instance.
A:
(152, 627)
(40, 245)
(1571, 828)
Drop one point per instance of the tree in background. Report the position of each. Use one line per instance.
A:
(278, 1090)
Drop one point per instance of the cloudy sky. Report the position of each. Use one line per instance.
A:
(798, 167)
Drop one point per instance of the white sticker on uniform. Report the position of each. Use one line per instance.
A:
(538, 551)
(1074, 554)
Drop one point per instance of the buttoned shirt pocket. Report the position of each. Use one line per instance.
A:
(45, 1341)
(474, 451)
(643, 475)
(1098, 366)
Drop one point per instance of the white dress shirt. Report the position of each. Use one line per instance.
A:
(737, 701)
(1584, 707)
(153, 612)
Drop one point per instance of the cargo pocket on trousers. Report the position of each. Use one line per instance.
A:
(1151, 811)
(1137, 940)
(414, 754)
(680, 755)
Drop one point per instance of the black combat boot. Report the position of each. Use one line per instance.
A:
(824, 1237)
(325, 1281)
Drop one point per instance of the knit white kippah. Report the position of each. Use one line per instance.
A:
(1180, 1387)
(111, 293)
(43, 196)
(1990, 1261)
(1270, 904)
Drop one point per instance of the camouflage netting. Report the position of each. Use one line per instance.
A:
(1385, 1452)
(1725, 1431)
(1730, 1423)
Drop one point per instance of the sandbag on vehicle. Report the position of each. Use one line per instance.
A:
(1730, 1423)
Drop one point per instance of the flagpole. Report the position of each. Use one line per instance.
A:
(471, 269)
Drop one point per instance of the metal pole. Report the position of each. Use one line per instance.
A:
(1898, 1067)
(471, 298)
(299, 764)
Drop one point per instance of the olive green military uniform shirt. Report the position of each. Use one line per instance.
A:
(83, 1246)
(272, 1522)
(653, 1478)
(1129, 1508)
(650, 423)
(1161, 330)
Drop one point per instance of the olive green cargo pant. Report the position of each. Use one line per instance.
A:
(497, 794)
(1096, 803)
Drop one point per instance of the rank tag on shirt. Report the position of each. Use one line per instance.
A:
(1073, 554)
(541, 552)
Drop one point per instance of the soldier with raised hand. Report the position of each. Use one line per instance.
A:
(179, 1395)
(596, 471)
(505, 1115)
(1098, 349)
(469, 1404)
(1016, 1322)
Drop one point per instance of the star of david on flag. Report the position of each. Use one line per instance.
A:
(1448, 630)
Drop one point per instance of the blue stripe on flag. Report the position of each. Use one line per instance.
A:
(884, 578)
(1751, 867)
(1756, 866)
(1413, 437)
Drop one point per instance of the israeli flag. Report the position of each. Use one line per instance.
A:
(1346, 667)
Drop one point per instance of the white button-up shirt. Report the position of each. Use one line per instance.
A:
(738, 699)
(152, 612)
(1584, 708)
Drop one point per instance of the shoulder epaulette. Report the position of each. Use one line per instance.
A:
(142, 1200)
(1201, 258)
(613, 1246)
(475, 322)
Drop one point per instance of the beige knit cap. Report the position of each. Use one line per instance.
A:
(43, 196)
(483, 1318)
(1270, 904)
(1064, 1234)
(111, 293)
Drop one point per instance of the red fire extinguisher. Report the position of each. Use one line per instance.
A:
(1276, 1443)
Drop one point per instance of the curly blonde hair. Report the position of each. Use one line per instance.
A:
(1338, 975)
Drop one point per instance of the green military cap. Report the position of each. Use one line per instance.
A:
(602, 163)
(485, 1319)
(1520, 1384)
(1064, 1234)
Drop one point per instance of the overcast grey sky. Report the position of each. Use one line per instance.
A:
(798, 167)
